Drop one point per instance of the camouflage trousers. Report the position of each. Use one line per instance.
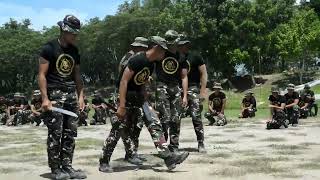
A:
(293, 114)
(249, 113)
(169, 106)
(216, 119)
(195, 109)
(304, 113)
(122, 129)
(3, 118)
(17, 118)
(278, 120)
(100, 116)
(83, 117)
(62, 129)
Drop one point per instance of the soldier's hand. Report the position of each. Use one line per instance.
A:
(184, 102)
(121, 112)
(46, 105)
(81, 104)
(203, 93)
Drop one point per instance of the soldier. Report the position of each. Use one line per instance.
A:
(197, 84)
(59, 81)
(170, 71)
(292, 108)
(26, 111)
(140, 44)
(84, 114)
(16, 110)
(277, 110)
(4, 110)
(304, 105)
(132, 105)
(100, 109)
(249, 106)
(36, 110)
(217, 103)
(310, 94)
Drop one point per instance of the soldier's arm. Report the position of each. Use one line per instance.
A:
(305, 106)
(184, 78)
(296, 101)
(203, 80)
(43, 70)
(34, 111)
(127, 75)
(210, 106)
(224, 102)
(79, 84)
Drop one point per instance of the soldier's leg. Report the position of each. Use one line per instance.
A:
(163, 107)
(136, 129)
(175, 120)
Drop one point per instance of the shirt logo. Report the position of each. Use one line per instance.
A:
(247, 104)
(170, 65)
(141, 77)
(216, 102)
(64, 65)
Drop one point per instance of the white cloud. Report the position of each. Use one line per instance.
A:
(39, 18)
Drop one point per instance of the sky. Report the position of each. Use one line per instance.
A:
(49, 12)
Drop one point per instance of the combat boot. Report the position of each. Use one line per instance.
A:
(174, 158)
(134, 160)
(58, 174)
(201, 148)
(105, 167)
(74, 174)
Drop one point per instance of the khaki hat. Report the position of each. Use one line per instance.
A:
(217, 86)
(290, 87)
(159, 41)
(172, 37)
(275, 90)
(140, 42)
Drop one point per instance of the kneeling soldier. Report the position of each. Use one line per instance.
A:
(249, 106)
(277, 107)
(292, 108)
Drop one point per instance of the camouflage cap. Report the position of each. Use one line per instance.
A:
(17, 94)
(172, 37)
(290, 86)
(36, 93)
(217, 86)
(159, 41)
(140, 42)
(70, 24)
(275, 90)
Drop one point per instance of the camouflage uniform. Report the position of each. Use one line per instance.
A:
(36, 103)
(216, 102)
(292, 112)
(278, 115)
(100, 114)
(3, 111)
(195, 109)
(62, 129)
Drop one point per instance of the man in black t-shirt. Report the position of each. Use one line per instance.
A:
(312, 104)
(277, 107)
(100, 109)
(248, 105)
(131, 100)
(170, 71)
(292, 108)
(59, 81)
(197, 84)
(36, 102)
(4, 110)
(216, 105)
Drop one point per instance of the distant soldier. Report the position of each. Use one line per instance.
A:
(84, 113)
(16, 110)
(292, 108)
(312, 104)
(217, 103)
(36, 108)
(248, 105)
(100, 109)
(4, 110)
(197, 88)
(26, 111)
(277, 110)
(303, 104)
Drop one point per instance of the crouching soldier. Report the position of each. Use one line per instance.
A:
(16, 110)
(310, 95)
(292, 108)
(249, 106)
(277, 107)
(4, 110)
(303, 105)
(217, 102)
(36, 103)
(84, 113)
(98, 104)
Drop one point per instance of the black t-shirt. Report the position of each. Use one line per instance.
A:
(290, 98)
(303, 100)
(169, 69)
(62, 62)
(17, 102)
(277, 101)
(97, 100)
(248, 102)
(309, 94)
(216, 100)
(194, 61)
(142, 69)
(3, 106)
(36, 102)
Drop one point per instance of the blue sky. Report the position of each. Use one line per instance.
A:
(49, 12)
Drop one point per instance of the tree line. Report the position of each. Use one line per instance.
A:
(266, 36)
